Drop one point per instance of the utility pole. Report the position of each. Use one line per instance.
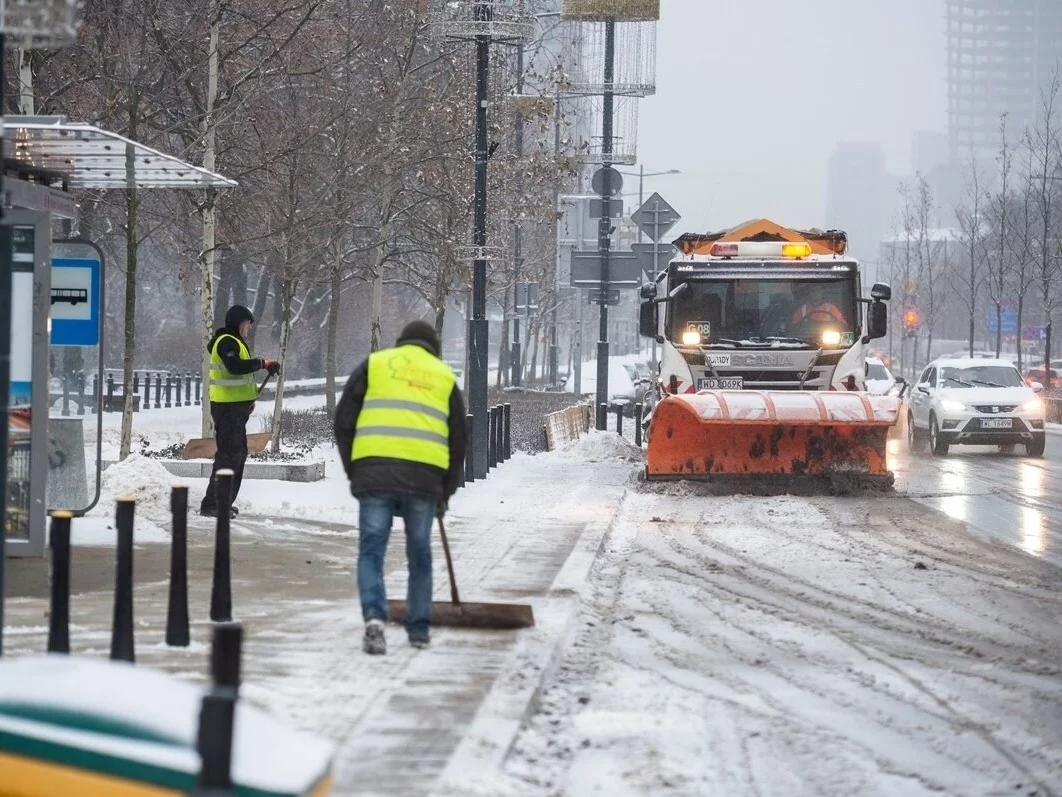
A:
(516, 362)
(605, 226)
(5, 341)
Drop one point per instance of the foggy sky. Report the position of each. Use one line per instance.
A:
(753, 95)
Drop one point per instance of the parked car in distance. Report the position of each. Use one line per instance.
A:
(1051, 381)
(879, 378)
(975, 401)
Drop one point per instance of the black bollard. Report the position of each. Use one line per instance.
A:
(169, 391)
(619, 419)
(470, 466)
(638, 425)
(96, 392)
(81, 393)
(602, 417)
(225, 655)
(136, 381)
(188, 388)
(66, 395)
(110, 393)
(221, 591)
(507, 442)
(59, 618)
(177, 633)
(122, 646)
(492, 450)
(177, 380)
(158, 391)
(499, 436)
(198, 389)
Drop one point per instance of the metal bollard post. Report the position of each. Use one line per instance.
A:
(619, 419)
(492, 438)
(507, 441)
(59, 618)
(602, 417)
(638, 425)
(177, 380)
(177, 633)
(221, 591)
(198, 389)
(81, 393)
(499, 435)
(110, 393)
(158, 391)
(187, 388)
(169, 391)
(217, 713)
(136, 381)
(66, 395)
(96, 392)
(122, 645)
(470, 459)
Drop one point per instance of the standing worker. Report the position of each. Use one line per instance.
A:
(400, 430)
(232, 393)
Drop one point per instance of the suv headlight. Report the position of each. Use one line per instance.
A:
(951, 405)
(1033, 406)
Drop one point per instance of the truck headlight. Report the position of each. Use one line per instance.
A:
(951, 405)
(1033, 406)
(831, 337)
(691, 337)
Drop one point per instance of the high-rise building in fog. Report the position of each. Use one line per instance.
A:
(856, 196)
(1000, 54)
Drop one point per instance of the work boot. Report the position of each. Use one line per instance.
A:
(374, 642)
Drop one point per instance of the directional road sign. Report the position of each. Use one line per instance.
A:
(649, 264)
(623, 270)
(594, 297)
(655, 217)
(607, 182)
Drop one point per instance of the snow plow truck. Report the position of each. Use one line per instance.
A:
(763, 334)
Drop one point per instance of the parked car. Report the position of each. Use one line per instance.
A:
(879, 378)
(1051, 381)
(626, 383)
(974, 401)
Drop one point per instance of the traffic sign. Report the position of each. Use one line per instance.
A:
(597, 208)
(655, 217)
(607, 182)
(624, 270)
(76, 300)
(526, 296)
(594, 297)
(1035, 333)
(652, 265)
(1008, 320)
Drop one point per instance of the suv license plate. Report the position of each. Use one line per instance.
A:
(721, 383)
(996, 423)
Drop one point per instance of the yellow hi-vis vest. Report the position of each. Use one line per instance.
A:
(406, 410)
(229, 388)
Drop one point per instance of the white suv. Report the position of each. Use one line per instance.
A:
(974, 402)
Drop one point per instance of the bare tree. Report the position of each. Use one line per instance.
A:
(999, 218)
(971, 214)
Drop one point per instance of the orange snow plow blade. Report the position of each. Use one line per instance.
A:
(726, 434)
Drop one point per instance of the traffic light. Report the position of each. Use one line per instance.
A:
(912, 320)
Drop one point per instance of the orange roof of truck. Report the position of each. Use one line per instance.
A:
(822, 242)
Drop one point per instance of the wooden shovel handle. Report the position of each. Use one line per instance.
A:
(449, 563)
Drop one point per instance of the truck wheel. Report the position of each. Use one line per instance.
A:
(1035, 447)
(937, 444)
(916, 439)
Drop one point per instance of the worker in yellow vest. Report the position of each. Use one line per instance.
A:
(400, 431)
(233, 392)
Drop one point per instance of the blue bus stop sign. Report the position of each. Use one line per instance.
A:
(75, 301)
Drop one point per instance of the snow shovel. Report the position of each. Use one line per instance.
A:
(207, 447)
(501, 616)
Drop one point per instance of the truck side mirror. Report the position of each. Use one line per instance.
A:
(877, 321)
(648, 291)
(648, 317)
(881, 292)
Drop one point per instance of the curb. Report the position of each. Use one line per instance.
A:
(516, 693)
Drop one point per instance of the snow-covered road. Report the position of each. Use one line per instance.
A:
(785, 646)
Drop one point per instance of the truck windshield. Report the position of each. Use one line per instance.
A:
(756, 309)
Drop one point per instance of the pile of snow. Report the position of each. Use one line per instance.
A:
(598, 446)
(142, 479)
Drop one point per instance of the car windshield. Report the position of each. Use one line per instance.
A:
(876, 371)
(980, 376)
(760, 309)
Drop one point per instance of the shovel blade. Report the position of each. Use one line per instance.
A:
(499, 616)
(206, 448)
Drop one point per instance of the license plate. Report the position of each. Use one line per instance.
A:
(996, 423)
(721, 383)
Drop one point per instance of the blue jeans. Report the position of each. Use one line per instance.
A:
(375, 514)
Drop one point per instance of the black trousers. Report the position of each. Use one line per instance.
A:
(230, 433)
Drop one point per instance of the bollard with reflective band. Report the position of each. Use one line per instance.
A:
(492, 451)
(507, 440)
(122, 644)
(499, 451)
(221, 590)
(59, 617)
(602, 417)
(177, 633)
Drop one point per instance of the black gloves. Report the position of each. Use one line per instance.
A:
(272, 366)
(440, 509)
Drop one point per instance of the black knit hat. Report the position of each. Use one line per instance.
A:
(237, 314)
(423, 333)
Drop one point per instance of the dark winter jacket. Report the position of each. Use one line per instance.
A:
(383, 474)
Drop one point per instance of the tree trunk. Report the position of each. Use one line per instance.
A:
(330, 356)
(209, 212)
(999, 328)
(503, 352)
(132, 210)
(288, 288)
(376, 334)
(1021, 312)
(261, 298)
